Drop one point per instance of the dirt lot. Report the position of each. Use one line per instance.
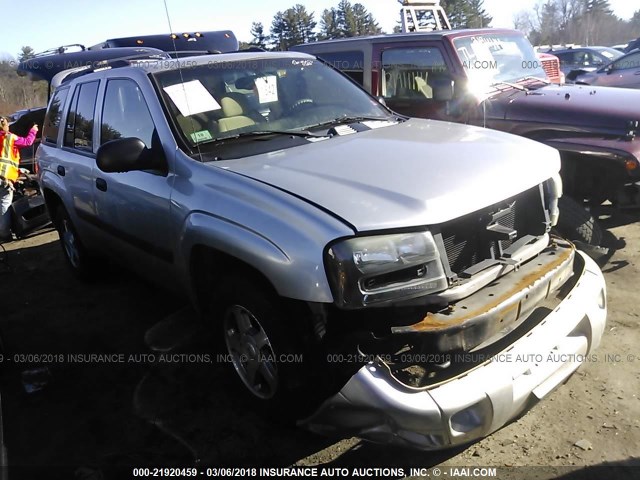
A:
(133, 411)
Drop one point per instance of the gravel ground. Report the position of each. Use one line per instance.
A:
(135, 407)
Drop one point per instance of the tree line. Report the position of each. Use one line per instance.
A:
(297, 25)
(18, 92)
(584, 22)
(587, 22)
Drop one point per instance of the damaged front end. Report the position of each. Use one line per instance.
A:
(521, 312)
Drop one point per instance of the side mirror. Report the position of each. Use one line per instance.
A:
(128, 154)
(609, 68)
(442, 88)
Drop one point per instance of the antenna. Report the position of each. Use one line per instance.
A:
(173, 38)
(175, 51)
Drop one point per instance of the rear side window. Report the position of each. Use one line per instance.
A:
(407, 73)
(79, 129)
(630, 61)
(54, 114)
(351, 63)
(125, 113)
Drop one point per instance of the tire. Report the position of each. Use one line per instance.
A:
(77, 258)
(256, 336)
(576, 223)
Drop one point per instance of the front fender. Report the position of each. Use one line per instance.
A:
(623, 154)
(295, 271)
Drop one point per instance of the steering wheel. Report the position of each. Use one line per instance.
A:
(302, 103)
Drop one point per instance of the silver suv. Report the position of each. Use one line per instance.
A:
(403, 270)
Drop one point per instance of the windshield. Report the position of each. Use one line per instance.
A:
(609, 53)
(219, 100)
(497, 57)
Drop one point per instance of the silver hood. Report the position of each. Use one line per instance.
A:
(419, 172)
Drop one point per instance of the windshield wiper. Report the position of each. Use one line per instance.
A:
(543, 80)
(266, 133)
(509, 84)
(354, 119)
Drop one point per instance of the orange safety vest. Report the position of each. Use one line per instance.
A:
(9, 157)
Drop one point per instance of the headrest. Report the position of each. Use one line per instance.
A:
(230, 107)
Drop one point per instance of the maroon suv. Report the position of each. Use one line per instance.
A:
(493, 78)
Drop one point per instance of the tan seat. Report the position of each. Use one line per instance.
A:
(423, 87)
(192, 123)
(234, 117)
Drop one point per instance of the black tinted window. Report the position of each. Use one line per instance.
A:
(346, 61)
(54, 113)
(79, 130)
(351, 63)
(125, 113)
(630, 61)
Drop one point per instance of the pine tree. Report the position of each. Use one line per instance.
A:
(26, 53)
(634, 23)
(279, 32)
(329, 24)
(292, 27)
(597, 7)
(364, 22)
(478, 17)
(349, 20)
(466, 13)
(260, 39)
(457, 11)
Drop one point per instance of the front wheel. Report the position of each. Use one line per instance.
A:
(576, 223)
(261, 344)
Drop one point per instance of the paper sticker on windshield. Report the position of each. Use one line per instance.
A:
(267, 89)
(201, 136)
(191, 98)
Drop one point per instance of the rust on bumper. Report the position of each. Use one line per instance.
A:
(499, 306)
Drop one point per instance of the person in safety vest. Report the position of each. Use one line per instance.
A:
(9, 171)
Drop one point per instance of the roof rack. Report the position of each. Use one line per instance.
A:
(48, 66)
(59, 50)
(124, 61)
(423, 16)
(217, 41)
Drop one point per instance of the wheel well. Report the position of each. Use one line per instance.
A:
(52, 201)
(591, 177)
(208, 267)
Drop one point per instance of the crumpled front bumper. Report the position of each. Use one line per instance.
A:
(375, 406)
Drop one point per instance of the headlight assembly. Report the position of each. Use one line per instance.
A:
(553, 191)
(371, 270)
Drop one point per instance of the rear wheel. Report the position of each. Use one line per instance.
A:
(576, 223)
(75, 253)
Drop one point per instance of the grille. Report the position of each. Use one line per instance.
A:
(468, 242)
(551, 68)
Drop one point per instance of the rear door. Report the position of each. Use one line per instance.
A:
(625, 72)
(73, 161)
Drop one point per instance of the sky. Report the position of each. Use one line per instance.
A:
(78, 21)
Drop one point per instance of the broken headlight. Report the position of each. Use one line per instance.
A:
(364, 271)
